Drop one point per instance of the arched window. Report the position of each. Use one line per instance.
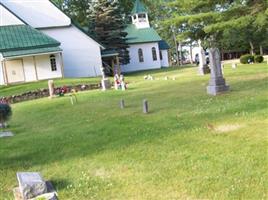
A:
(53, 63)
(161, 55)
(154, 53)
(141, 59)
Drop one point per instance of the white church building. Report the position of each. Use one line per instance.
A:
(38, 41)
(147, 50)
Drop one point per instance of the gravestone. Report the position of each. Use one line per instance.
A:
(122, 82)
(217, 82)
(122, 104)
(51, 88)
(6, 134)
(203, 67)
(50, 195)
(145, 106)
(105, 82)
(31, 184)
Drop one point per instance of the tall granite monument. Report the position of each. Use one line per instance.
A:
(217, 83)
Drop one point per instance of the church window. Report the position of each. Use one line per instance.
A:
(141, 59)
(154, 53)
(53, 63)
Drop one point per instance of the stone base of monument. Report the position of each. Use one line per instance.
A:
(217, 86)
(33, 187)
(105, 83)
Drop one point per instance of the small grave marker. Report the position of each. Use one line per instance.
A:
(145, 107)
(31, 184)
(73, 97)
(51, 88)
(122, 104)
(234, 65)
(6, 134)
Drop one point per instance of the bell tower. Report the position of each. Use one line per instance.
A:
(139, 15)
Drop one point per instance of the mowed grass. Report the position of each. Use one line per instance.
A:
(190, 145)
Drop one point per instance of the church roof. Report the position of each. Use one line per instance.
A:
(138, 8)
(38, 13)
(22, 40)
(144, 35)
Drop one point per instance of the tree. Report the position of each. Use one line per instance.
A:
(211, 21)
(109, 23)
(103, 20)
(78, 10)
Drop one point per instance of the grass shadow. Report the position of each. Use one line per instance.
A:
(60, 184)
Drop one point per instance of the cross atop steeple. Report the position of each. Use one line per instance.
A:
(139, 15)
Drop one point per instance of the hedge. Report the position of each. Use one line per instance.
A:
(246, 59)
(258, 59)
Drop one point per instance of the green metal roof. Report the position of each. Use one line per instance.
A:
(144, 35)
(24, 38)
(163, 45)
(9, 54)
(138, 8)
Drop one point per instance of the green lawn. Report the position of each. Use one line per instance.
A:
(190, 146)
(26, 87)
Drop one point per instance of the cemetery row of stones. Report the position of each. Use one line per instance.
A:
(41, 93)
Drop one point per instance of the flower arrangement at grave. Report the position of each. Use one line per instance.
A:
(62, 91)
(5, 114)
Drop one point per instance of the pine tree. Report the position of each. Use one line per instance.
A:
(109, 23)
(211, 21)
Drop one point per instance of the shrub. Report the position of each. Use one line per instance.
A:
(246, 59)
(258, 59)
(5, 113)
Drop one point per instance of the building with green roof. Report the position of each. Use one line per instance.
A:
(27, 54)
(147, 49)
(81, 53)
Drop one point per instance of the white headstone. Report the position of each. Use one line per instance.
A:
(51, 88)
(6, 134)
(203, 68)
(234, 65)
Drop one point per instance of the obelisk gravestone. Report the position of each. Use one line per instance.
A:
(217, 82)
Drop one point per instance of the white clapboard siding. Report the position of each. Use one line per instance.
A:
(148, 63)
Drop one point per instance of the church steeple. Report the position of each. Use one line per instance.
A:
(139, 15)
